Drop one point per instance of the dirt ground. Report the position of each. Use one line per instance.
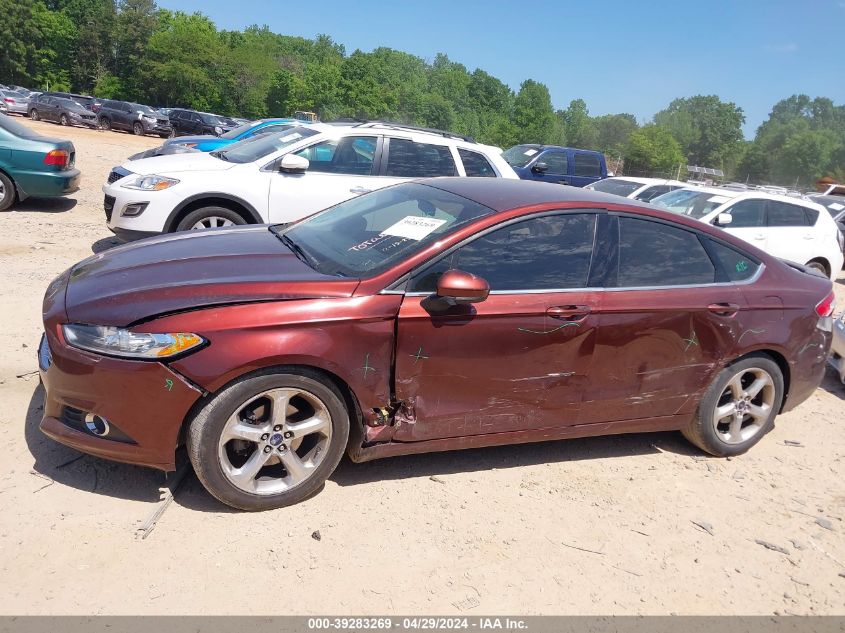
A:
(640, 524)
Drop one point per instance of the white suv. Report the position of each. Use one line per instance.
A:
(791, 228)
(282, 177)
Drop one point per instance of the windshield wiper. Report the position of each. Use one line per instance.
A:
(293, 246)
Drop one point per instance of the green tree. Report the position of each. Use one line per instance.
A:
(579, 129)
(533, 115)
(612, 132)
(708, 129)
(652, 151)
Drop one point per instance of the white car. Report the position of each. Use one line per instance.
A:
(644, 189)
(790, 228)
(837, 347)
(282, 177)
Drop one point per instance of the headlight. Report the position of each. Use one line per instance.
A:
(114, 341)
(218, 130)
(150, 183)
(149, 118)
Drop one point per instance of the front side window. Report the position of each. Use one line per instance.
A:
(348, 155)
(784, 214)
(656, 254)
(545, 253)
(587, 165)
(747, 214)
(476, 165)
(407, 159)
(556, 161)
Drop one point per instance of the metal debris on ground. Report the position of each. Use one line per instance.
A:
(437, 479)
(825, 523)
(149, 525)
(793, 443)
(316, 535)
(772, 546)
(704, 525)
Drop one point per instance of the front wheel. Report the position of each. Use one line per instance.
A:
(738, 408)
(7, 192)
(63, 120)
(270, 440)
(33, 114)
(138, 129)
(209, 218)
(105, 124)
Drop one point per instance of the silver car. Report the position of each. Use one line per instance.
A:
(13, 102)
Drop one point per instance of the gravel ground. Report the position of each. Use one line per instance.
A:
(639, 524)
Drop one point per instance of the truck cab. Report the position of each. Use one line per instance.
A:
(555, 164)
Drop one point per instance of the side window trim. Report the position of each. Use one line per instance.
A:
(401, 283)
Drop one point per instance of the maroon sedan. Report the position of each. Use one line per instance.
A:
(429, 316)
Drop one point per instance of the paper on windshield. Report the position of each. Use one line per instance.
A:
(836, 206)
(413, 227)
(530, 152)
(719, 199)
(290, 137)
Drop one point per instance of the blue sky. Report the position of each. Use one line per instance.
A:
(618, 56)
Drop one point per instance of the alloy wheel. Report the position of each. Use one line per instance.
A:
(2, 192)
(212, 222)
(275, 440)
(744, 406)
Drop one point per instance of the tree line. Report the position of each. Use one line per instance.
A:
(134, 50)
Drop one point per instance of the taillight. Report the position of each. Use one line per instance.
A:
(57, 157)
(824, 308)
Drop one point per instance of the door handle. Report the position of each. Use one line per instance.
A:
(569, 313)
(723, 309)
(359, 190)
(808, 237)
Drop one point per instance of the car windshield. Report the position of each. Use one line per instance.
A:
(69, 104)
(257, 147)
(236, 132)
(14, 94)
(616, 187)
(691, 202)
(13, 127)
(365, 236)
(835, 205)
(143, 108)
(520, 155)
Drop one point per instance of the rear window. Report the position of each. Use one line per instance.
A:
(691, 202)
(616, 186)
(476, 165)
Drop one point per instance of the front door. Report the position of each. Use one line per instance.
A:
(557, 167)
(666, 323)
(748, 222)
(339, 169)
(518, 360)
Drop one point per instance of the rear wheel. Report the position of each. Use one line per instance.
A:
(270, 440)
(63, 120)
(105, 124)
(738, 408)
(33, 114)
(138, 129)
(209, 218)
(7, 192)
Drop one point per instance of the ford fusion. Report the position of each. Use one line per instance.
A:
(442, 314)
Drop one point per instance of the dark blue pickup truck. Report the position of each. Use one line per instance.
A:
(551, 163)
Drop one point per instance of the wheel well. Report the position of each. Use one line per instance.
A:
(226, 203)
(349, 399)
(823, 262)
(781, 362)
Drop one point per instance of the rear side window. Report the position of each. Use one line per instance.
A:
(783, 214)
(407, 159)
(546, 253)
(737, 267)
(656, 254)
(476, 165)
(587, 165)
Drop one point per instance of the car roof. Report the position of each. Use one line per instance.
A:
(502, 194)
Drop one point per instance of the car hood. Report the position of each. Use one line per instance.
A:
(160, 275)
(176, 163)
(181, 140)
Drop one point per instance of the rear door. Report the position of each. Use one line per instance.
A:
(668, 319)
(790, 233)
(339, 169)
(520, 359)
(586, 167)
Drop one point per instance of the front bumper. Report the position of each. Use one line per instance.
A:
(145, 404)
(150, 222)
(156, 128)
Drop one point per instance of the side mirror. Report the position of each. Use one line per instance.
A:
(540, 168)
(293, 164)
(457, 287)
(724, 219)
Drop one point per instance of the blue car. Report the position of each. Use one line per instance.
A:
(209, 143)
(559, 165)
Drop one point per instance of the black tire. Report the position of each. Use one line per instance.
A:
(199, 215)
(9, 194)
(172, 134)
(205, 431)
(33, 114)
(164, 135)
(702, 430)
(105, 124)
(63, 120)
(138, 129)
